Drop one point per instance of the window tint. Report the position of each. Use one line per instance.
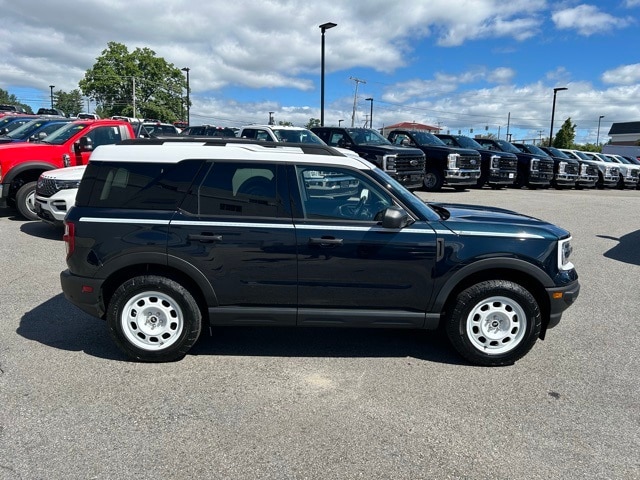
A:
(105, 136)
(240, 189)
(154, 186)
(340, 193)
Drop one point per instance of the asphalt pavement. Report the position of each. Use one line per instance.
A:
(258, 403)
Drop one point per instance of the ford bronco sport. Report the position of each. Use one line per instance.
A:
(169, 236)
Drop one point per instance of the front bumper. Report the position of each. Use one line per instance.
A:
(561, 298)
(498, 177)
(409, 179)
(565, 179)
(587, 180)
(461, 177)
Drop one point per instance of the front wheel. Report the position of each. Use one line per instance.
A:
(494, 323)
(26, 201)
(432, 180)
(153, 319)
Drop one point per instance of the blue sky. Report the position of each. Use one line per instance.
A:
(485, 65)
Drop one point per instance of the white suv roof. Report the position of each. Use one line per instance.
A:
(173, 152)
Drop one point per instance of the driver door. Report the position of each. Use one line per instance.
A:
(351, 270)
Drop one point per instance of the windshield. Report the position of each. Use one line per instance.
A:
(535, 150)
(467, 142)
(556, 153)
(366, 136)
(65, 133)
(507, 147)
(25, 130)
(296, 135)
(426, 138)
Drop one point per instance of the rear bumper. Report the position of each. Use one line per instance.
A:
(85, 293)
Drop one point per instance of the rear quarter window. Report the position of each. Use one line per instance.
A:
(149, 186)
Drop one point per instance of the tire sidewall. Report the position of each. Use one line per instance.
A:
(22, 200)
(467, 300)
(192, 318)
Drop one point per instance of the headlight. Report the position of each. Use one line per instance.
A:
(561, 167)
(495, 161)
(66, 184)
(564, 252)
(452, 161)
(535, 164)
(388, 162)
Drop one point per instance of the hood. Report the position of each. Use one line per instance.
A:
(67, 173)
(480, 220)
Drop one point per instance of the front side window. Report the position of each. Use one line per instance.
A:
(341, 194)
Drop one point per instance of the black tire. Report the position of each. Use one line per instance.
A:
(600, 181)
(172, 319)
(25, 201)
(432, 180)
(494, 323)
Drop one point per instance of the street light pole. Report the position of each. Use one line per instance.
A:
(370, 112)
(598, 136)
(186, 69)
(340, 122)
(324, 27)
(553, 111)
(51, 87)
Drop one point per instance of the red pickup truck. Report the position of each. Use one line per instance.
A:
(22, 163)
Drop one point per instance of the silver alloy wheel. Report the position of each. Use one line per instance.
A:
(496, 325)
(30, 202)
(152, 321)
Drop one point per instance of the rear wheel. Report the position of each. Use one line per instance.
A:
(25, 201)
(494, 323)
(153, 319)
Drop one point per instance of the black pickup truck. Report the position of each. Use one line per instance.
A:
(498, 169)
(405, 164)
(445, 165)
(533, 170)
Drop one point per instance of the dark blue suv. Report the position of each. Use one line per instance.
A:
(168, 236)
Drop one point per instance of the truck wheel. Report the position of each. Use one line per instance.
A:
(432, 180)
(494, 323)
(153, 319)
(25, 201)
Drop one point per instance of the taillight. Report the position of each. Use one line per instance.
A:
(69, 237)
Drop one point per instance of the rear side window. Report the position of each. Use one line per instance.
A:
(151, 186)
(236, 189)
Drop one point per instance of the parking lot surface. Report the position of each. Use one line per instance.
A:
(329, 403)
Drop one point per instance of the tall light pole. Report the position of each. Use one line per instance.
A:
(370, 112)
(186, 69)
(324, 27)
(553, 111)
(598, 136)
(51, 87)
(340, 122)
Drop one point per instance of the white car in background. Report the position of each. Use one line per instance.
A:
(56, 193)
(634, 170)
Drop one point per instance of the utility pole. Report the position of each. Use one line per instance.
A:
(355, 99)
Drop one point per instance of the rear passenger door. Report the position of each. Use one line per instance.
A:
(235, 228)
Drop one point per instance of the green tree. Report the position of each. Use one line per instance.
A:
(588, 147)
(69, 102)
(7, 98)
(313, 122)
(566, 135)
(121, 82)
(285, 124)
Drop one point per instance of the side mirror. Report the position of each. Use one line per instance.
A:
(395, 217)
(85, 144)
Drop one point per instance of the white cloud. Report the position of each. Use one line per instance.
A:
(623, 75)
(587, 20)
